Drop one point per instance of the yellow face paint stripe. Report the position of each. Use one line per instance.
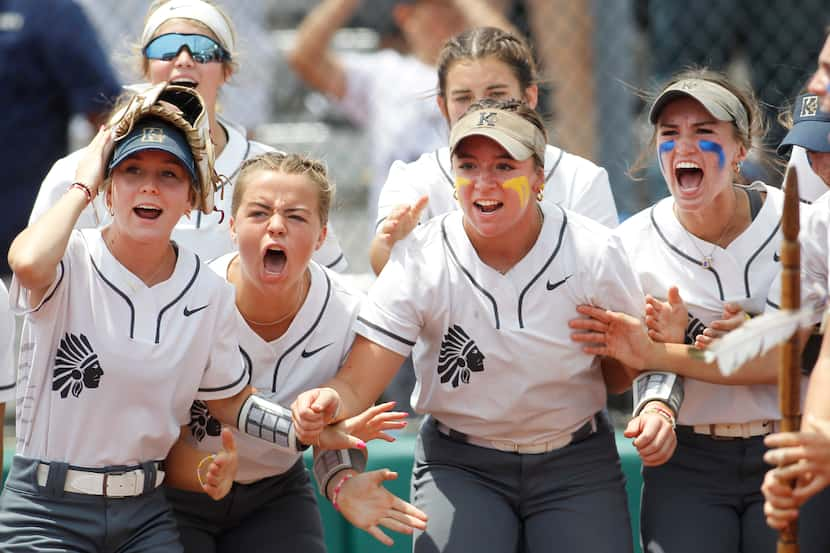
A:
(522, 187)
(460, 182)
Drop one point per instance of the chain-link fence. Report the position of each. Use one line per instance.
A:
(594, 57)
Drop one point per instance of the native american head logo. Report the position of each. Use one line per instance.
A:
(459, 357)
(809, 106)
(76, 366)
(202, 422)
(694, 328)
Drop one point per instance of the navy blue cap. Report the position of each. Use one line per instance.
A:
(811, 126)
(152, 133)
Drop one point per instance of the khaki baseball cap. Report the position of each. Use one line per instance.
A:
(720, 102)
(514, 133)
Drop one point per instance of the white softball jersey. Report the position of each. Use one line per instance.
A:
(8, 374)
(109, 367)
(492, 352)
(306, 356)
(815, 263)
(570, 181)
(665, 254)
(810, 185)
(207, 235)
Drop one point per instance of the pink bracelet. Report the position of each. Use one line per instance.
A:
(337, 491)
(83, 187)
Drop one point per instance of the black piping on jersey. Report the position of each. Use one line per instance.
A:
(52, 293)
(8, 386)
(466, 272)
(444, 171)
(304, 336)
(382, 330)
(243, 376)
(172, 303)
(249, 366)
(754, 255)
(335, 262)
(555, 165)
(682, 254)
(120, 293)
(773, 304)
(546, 265)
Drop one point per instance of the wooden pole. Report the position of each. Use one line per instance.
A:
(789, 375)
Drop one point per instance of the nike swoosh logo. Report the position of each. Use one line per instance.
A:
(305, 354)
(776, 257)
(189, 312)
(555, 285)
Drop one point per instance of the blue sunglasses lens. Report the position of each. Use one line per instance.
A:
(202, 49)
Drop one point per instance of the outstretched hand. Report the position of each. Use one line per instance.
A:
(667, 320)
(219, 471)
(733, 317)
(401, 221)
(612, 334)
(367, 504)
(373, 422)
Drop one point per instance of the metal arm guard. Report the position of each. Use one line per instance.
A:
(269, 421)
(329, 462)
(658, 385)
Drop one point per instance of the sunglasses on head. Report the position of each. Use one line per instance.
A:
(202, 49)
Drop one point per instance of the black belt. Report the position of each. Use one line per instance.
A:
(584, 431)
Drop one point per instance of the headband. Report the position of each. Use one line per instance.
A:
(190, 9)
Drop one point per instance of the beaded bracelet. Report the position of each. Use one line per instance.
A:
(83, 187)
(337, 491)
(662, 411)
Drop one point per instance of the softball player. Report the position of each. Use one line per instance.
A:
(718, 242)
(481, 298)
(810, 126)
(481, 63)
(114, 341)
(294, 320)
(192, 43)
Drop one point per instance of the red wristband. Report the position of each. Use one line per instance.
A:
(83, 187)
(337, 491)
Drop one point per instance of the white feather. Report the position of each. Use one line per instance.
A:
(756, 337)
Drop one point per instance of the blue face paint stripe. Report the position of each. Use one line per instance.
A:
(665, 147)
(709, 146)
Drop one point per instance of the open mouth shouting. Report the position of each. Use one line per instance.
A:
(488, 206)
(688, 175)
(145, 211)
(185, 82)
(274, 260)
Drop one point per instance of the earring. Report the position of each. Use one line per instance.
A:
(738, 166)
(541, 193)
(455, 194)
